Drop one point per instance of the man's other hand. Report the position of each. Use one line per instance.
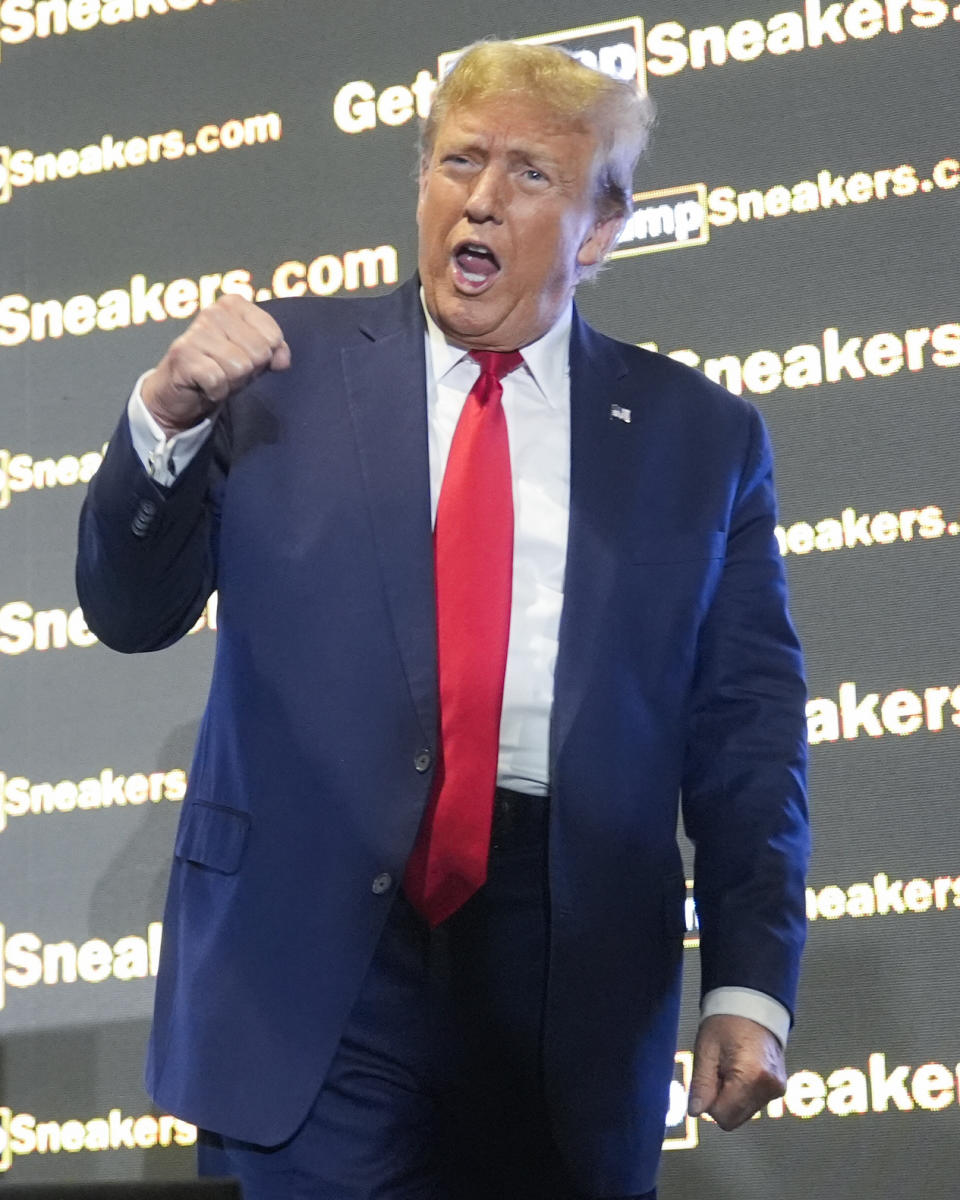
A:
(226, 346)
(738, 1067)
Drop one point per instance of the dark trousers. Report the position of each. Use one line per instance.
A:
(436, 1091)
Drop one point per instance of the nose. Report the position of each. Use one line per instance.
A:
(487, 197)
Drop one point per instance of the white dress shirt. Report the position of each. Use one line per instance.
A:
(536, 404)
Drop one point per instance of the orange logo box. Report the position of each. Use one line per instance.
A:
(615, 47)
(682, 1132)
(6, 1148)
(6, 184)
(666, 219)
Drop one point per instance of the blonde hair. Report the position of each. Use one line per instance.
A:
(621, 117)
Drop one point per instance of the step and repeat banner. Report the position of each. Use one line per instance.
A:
(794, 237)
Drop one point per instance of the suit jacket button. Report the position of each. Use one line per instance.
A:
(143, 517)
(422, 761)
(381, 884)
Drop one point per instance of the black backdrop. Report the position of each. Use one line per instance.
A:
(795, 238)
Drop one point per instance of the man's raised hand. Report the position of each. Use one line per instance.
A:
(226, 346)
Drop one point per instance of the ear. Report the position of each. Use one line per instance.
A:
(600, 240)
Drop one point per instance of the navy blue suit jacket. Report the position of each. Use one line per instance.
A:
(678, 671)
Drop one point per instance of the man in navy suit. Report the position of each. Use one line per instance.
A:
(332, 1032)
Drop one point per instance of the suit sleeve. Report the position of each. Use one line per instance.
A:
(146, 561)
(744, 792)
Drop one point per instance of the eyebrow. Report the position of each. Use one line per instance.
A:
(524, 152)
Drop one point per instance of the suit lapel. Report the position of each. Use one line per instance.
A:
(597, 460)
(386, 390)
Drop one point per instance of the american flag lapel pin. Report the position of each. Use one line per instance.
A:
(619, 413)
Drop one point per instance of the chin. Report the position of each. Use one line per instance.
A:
(463, 315)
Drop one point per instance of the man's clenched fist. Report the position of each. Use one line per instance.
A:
(737, 1068)
(226, 346)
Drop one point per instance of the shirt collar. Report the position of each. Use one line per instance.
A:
(547, 359)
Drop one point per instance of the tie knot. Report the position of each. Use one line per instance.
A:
(497, 362)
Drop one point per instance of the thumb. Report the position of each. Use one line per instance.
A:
(705, 1083)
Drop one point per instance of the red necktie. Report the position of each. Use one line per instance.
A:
(473, 547)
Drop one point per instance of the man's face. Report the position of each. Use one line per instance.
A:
(507, 218)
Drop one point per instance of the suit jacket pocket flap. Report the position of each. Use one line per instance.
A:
(213, 836)
(662, 546)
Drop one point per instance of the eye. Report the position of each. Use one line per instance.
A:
(533, 175)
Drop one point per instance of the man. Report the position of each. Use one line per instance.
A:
(380, 978)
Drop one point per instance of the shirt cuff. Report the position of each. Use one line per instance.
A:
(748, 1002)
(164, 458)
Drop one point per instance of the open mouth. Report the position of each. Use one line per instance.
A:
(475, 266)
